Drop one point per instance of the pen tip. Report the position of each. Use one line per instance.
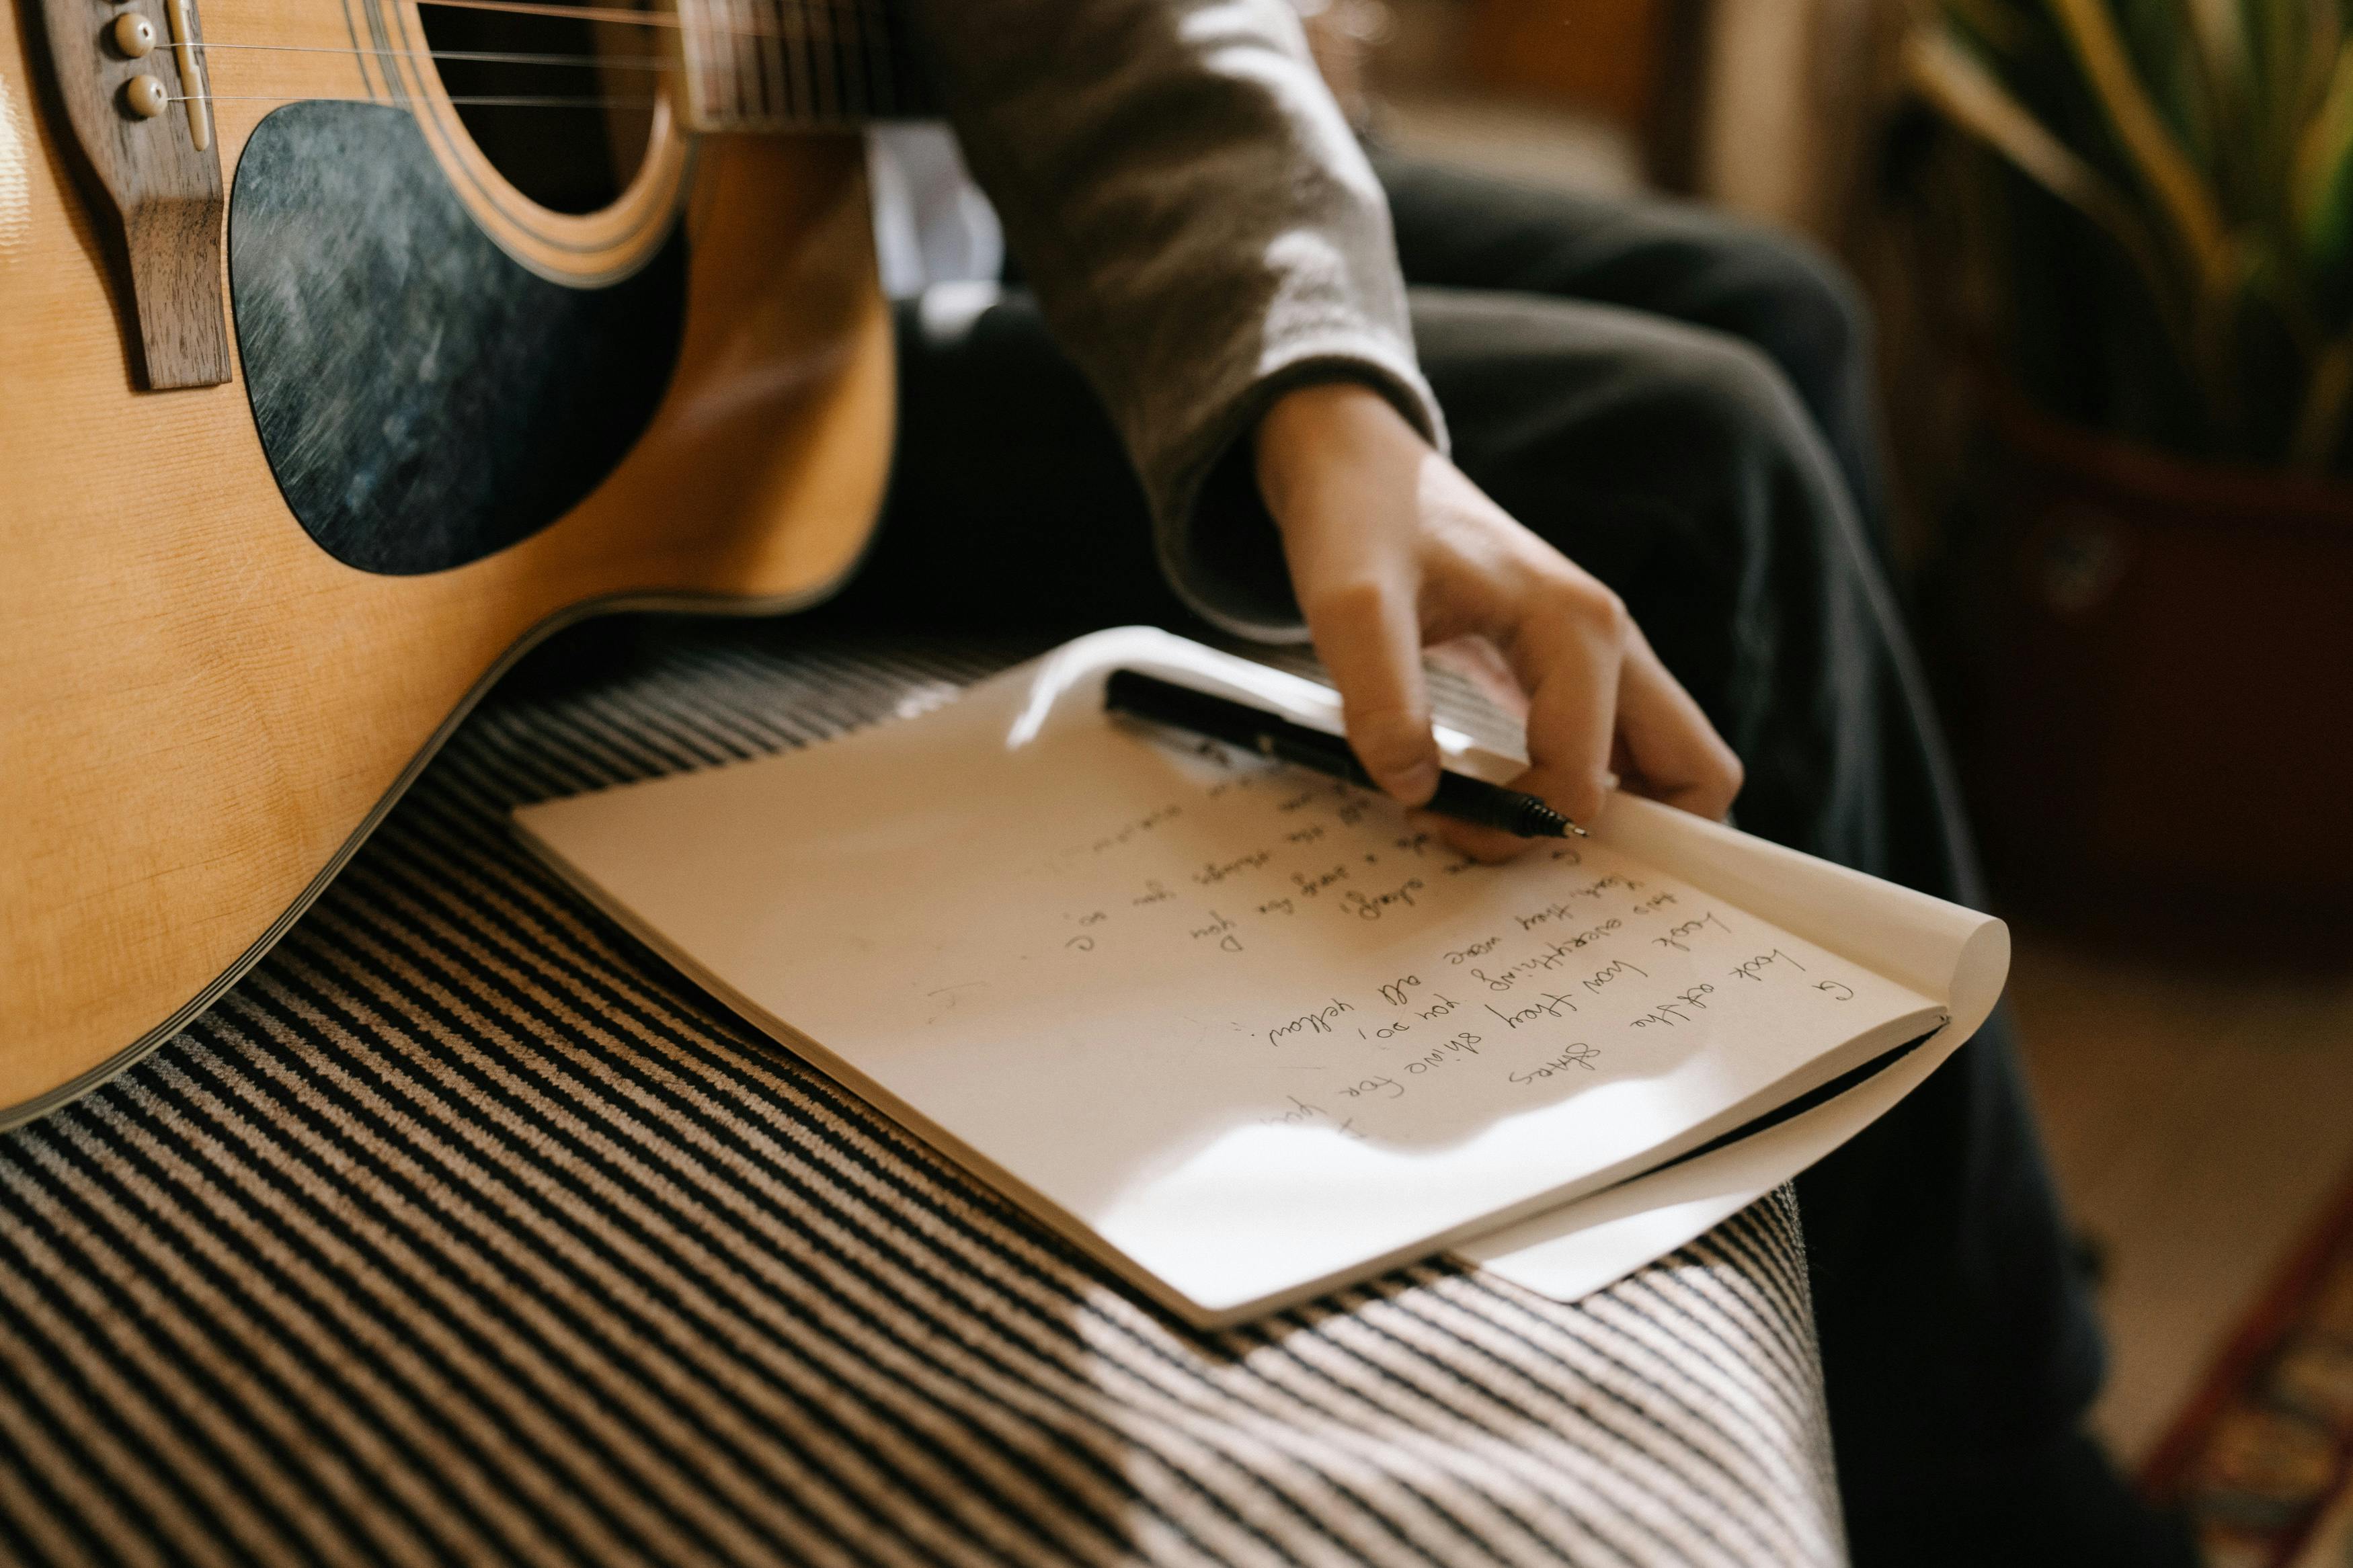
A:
(1538, 820)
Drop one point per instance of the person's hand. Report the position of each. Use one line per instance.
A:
(1392, 550)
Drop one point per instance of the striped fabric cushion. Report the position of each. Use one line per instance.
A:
(462, 1231)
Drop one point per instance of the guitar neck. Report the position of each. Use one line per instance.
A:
(768, 66)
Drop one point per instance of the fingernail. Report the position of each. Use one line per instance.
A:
(1415, 784)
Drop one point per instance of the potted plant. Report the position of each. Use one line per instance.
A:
(2160, 226)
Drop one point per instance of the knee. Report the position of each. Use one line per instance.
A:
(1741, 503)
(1804, 310)
(1624, 437)
(1728, 408)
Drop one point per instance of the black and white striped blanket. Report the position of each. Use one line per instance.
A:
(461, 1231)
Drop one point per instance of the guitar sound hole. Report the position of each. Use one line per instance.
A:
(574, 147)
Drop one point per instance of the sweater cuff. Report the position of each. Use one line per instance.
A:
(1217, 543)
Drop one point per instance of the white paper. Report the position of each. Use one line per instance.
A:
(1953, 955)
(1233, 1028)
(1581, 1246)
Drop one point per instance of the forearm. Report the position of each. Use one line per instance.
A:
(1200, 226)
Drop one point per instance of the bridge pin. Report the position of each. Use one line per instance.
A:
(134, 35)
(145, 97)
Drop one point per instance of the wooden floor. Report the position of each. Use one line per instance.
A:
(2197, 1121)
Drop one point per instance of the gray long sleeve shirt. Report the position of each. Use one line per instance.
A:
(1203, 233)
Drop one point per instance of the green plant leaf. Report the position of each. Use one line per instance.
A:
(1994, 23)
(1953, 80)
(2320, 424)
(2321, 185)
(2179, 190)
(2212, 141)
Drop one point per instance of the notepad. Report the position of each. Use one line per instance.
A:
(1244, 1033)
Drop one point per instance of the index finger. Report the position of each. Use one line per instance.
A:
(1565, 643)
(1370, 639)
(1567, 651)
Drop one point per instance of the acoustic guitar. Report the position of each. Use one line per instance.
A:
(347, 347)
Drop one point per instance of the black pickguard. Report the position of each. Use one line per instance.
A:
(424, 399)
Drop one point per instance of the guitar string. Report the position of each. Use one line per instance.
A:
(847, 9)
(812, 68)
(585, 13)
(590, 13)
(576, 12)
(493, 56)
(502, 100)
(582, 13)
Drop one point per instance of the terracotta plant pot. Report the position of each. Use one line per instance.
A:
(2158, 712)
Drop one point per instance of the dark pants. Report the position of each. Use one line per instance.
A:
(1683, 406)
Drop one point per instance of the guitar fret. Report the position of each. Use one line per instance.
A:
(867, 31)
(773, 97)
(727, 86)
(744, 61)
(784, 64)
(821, 54)
(850, 82)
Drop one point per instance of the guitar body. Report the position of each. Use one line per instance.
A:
(235, 620)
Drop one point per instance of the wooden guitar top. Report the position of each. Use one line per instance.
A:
(202, 710)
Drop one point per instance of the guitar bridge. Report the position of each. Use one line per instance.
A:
(159, 170)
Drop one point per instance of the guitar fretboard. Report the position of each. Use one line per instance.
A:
(784, 65)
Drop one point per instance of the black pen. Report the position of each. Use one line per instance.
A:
(1460, 796)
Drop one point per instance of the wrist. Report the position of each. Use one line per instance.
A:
(1313, 431)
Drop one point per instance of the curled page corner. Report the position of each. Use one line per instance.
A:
(1579, 1247)
(1956, 956)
